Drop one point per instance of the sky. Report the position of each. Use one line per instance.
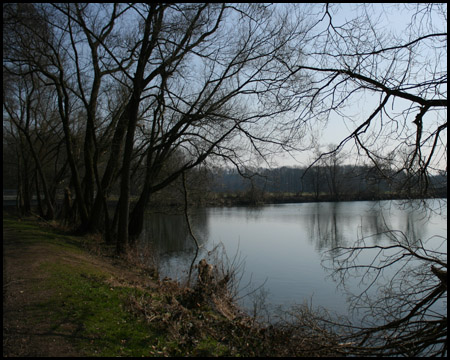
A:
(392, 18)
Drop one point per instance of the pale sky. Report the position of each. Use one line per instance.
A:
(393, 18)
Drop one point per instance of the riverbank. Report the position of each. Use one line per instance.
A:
(248, 198)
(60, 299)
(65, 295)
(265, 198)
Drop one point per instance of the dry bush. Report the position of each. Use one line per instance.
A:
(143, 257)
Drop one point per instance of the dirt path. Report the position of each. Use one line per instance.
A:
(27, 309)
(26, 330)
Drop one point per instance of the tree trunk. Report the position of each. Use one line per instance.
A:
(63, 107)
(38, 197)
(24, 187)
(50, 210)
(124, 200)
(136, 223)
(109, 173)
(89, 140)
(132, 110)
(89, 180)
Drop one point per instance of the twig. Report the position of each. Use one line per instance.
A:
(189, 227)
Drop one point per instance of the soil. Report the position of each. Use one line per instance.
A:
(27, 328)
(21, 335)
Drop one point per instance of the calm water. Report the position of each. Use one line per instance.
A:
(286, 247)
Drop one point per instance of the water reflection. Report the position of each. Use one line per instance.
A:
(333, 224)
(328, 224)
(169, 232)
(285, 243)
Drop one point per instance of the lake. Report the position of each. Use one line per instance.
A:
(286, 247)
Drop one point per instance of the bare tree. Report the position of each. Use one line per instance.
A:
(56, 52)
(27, 102)
(197, 81)
(405, 74)
(403, 315)
(403, 134)
(38, 46)
(194, 89)
(27, 124)
(333, 171)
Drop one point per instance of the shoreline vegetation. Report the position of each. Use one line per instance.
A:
(253, 197)
(98, 303)
(66, 294)
(259, 198)
(246, 199)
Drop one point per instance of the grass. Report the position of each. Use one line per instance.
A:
(106, 328)
(80, 296)
(82, 301)
(32, 233)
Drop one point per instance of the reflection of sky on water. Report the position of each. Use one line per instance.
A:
(283, 246)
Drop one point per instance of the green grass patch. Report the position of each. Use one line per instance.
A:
(30, 231)
(103, 325)
(76, 299)
(210, 347)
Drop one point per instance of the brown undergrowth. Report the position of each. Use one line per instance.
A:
(89, 302)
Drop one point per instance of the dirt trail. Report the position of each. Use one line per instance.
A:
(27, 331)
(27, 326)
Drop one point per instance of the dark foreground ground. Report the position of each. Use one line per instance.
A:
(65, 295)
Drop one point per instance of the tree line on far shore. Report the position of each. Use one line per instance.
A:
(325, 182)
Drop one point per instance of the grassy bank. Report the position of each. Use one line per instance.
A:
(98, 305)
(77, 295)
